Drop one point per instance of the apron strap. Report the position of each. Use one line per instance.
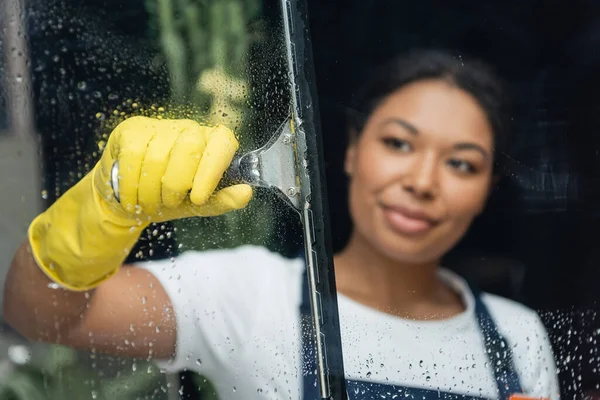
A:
(497, 349)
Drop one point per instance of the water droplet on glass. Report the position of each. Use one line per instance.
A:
(19, 354)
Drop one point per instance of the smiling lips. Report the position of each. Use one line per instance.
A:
(408, 222)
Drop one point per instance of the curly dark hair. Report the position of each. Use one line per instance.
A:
(472, 76)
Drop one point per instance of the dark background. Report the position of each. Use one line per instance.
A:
(536, 242)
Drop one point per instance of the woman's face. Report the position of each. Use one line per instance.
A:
(420, 171)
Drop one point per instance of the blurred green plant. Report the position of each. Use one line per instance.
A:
(59, 373)
(206, 46)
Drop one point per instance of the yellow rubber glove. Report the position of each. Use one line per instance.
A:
(168, 169)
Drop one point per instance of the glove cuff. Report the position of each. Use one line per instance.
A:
(80, 241)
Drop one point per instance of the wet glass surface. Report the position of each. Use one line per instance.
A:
(90, 64)
(87, 68)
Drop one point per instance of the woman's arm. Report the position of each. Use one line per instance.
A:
(128, 315)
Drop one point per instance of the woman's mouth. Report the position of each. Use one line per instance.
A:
(406, 221)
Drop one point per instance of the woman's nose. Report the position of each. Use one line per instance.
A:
(421, 178)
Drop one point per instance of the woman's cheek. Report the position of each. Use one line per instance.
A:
(379, 168)
(468, 198)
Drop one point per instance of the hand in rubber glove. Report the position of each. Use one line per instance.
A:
(169, 169)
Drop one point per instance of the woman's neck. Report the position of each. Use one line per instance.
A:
(404, 289)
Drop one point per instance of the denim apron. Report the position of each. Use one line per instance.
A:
(498, 352)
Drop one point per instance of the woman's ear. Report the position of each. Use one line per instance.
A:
(350, 157)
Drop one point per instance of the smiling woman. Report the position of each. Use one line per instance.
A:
(420, 164)
(421, 176)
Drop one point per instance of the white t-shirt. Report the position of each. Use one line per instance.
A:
(238, 324)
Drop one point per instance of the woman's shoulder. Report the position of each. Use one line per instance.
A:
(529, 340)
(514, 320)
(507, 311)
(521, 326)
(503, 310)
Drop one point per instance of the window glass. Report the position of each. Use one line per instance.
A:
(89, 66)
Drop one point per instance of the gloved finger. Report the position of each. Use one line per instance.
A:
(155, 163)
(182, 166)
(223, 201)
(217, 156)
(131, 141)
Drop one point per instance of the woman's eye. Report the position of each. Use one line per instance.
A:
(462, 166)
(397, 144)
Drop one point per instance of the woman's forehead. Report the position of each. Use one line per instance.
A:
(434, 107)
